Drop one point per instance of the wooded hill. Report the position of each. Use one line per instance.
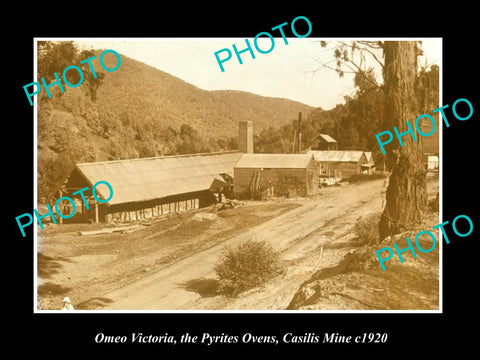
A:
(147, 95)
(137, 111)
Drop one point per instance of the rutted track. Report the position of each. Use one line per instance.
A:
(297, 234)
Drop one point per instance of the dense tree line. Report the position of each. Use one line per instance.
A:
(72, 128)
(354, 123)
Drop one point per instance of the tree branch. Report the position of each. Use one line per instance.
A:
(375, 57)
(364, 48)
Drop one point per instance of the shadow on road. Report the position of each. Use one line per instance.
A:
(49, 288)
(48, 266)
(93, 303)
(204, 287)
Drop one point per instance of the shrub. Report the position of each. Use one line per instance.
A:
(366, 229)
(248, 265)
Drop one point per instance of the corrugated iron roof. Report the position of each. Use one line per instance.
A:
(274, 161)
(152, 178)
(337, 155)
(327, 138)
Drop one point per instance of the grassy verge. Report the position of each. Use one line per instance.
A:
(358, 281)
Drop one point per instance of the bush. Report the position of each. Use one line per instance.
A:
(366, 229)
(248, 265)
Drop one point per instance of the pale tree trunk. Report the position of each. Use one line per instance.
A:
(406, 196)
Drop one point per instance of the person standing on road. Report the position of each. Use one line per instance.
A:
(67, 304)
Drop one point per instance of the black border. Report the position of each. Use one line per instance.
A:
(408, 333)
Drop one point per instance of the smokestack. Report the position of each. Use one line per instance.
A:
(245, 137)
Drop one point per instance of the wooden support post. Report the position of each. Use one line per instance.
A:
(84, 210)
(96, 213)
(61, 205)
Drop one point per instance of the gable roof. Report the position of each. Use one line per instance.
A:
(337, 155)
(152, 178)
(274, 161)
(326, 138)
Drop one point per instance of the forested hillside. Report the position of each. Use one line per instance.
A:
(139, 111)
(136, 111)
(355, 123)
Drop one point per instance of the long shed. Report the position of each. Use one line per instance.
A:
(154, 186)
(342, 163)
(285, 173)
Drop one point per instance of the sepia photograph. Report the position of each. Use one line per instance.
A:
(272, 174)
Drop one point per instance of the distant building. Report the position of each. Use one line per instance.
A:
(324, 142)
(287, 173)
(342, 163)
(431, 161)
(148, 187)
(370, 167)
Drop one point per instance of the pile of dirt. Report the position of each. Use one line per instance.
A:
(358, 282)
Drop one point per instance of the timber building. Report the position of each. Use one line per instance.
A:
(285, 174)
(343, 163)
(148, 187)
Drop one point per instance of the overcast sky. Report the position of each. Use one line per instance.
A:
(286, 72)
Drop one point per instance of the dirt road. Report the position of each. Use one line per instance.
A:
(299, 235)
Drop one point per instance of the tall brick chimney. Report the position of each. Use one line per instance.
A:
(245, 137)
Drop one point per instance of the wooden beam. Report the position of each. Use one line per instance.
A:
(61, 205)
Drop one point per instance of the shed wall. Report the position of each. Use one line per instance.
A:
(339, 169)
(304, 181)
